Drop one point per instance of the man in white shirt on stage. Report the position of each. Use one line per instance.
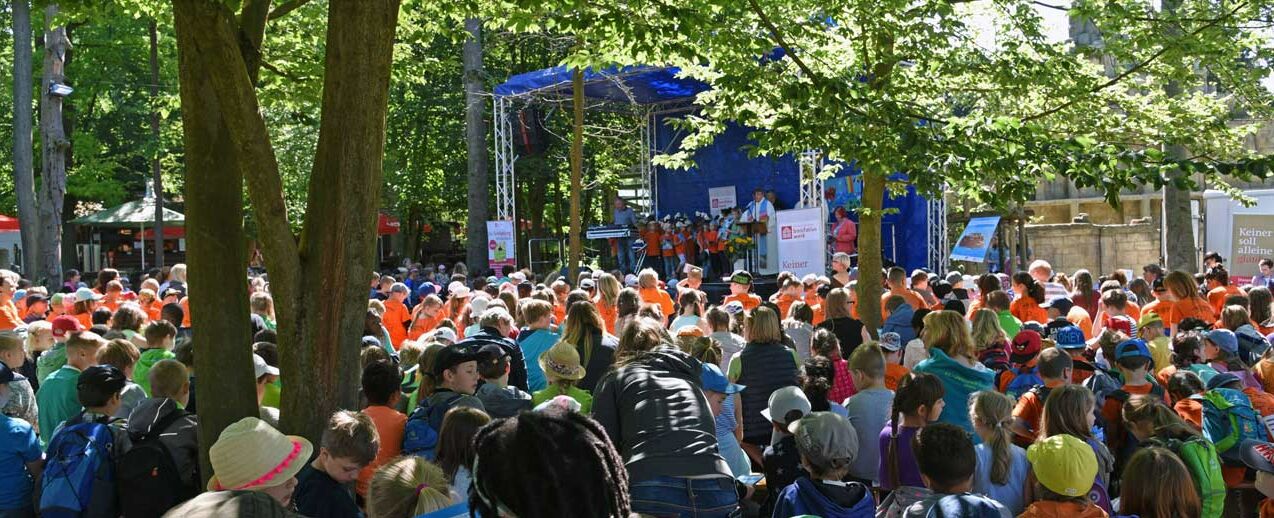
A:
(760, 210)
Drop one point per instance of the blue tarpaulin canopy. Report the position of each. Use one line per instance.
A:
(639, 84)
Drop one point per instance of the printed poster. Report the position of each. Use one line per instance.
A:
(802, 241)
(1252, 241)
(720, 198)
(501, 244)
(975, 240)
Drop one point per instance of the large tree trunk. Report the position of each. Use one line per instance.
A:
(214, 221)
(155, 173)
(340, 227)
(476, 143)
(869, 263)
(1178, 222)
(54, 146)
(23, 146)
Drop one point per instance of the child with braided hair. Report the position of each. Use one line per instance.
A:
(1002, 466)
(514, 456)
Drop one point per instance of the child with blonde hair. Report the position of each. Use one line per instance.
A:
(1002, 466)
(410, 486)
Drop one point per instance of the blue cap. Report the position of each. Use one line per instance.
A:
(1131, 348)
(1069, 337)
(426, 289)
(1222, 379)
(1223, 339)
(713, 379)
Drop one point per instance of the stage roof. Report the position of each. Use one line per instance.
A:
(639, 84)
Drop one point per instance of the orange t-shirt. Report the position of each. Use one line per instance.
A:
(389, 426)
(1030, 409)
(679, 243)
(1027, 309)
(609, 314)
(1079, 317)
(1217, 295)
(1154, 306)
(785, 303)
(651, 237)
(657, 297)
(1267, 508)
(9, 318)
(395, 318)
(418, 328)
(1194, 307)
(154, 309)
(893, 374)
(1112, 411)
(913, 299)
(1191, 411)
(111, 304)
(749, 301)
(669, 245)
(973, 309)
(185, 307)
(86, 319)
(559, 312)
(1262, 402)
(1133, 310)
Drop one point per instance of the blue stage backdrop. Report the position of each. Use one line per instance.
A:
(904, 238)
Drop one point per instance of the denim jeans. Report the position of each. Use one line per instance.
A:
(667, 497)
(626, 258)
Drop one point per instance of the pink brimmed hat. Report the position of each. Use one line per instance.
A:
(251, 454)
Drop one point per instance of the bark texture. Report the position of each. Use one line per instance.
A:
(23, 143)
(869, 258)
(54, 147)
(476, 142)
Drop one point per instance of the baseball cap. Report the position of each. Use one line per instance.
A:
(891, 341)
(64, 325)
(1221, 379)
(1258, 455)
(445, 333)
(426, 289)
(87, 294)
(1064, 464)
(1131, 349)
(1026, 344)
(825, 438)
(1032, 325)
(741, 277)
(100, 380)
(453, 355)
(489, 352)
(369, 341)
(1122, 323)
(517, 277)
(261, 368)
(733, 307)
(785, 400)
(954, 278)
(1069, 337)
(1223, 339)
(457, 289)
(630, 280)
(711, 378)
(587, 284)
(1149, 319)
(6, 374)
(1061, 304)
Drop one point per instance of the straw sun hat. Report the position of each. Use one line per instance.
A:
(562, 361)
(251, 455)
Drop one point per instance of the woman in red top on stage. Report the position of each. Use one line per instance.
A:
(845, 233)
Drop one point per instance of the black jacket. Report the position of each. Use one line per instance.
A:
(488, 335)
(656, 414)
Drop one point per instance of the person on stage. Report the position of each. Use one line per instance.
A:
(844, 233)
(760, 210)
(624, 215)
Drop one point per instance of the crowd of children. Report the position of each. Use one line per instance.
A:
(1033, 395)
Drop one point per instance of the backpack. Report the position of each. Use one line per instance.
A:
(1098, 494)
(78, 471)
(1023, 379)
(1228, 420)
(148, 480)
(1200, 458)
(1203, 370)
(420, 435)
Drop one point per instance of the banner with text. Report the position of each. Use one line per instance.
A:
(720, 198)
(975, 240)
(802, 241)
(501, 244)
(1253, 240)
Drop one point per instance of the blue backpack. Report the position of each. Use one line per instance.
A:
(1023, 380)
(420, 436)
(79, 475)
(1228, 420)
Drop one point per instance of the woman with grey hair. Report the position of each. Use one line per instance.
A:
(841, 263)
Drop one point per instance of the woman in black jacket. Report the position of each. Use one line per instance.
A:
(653, 409)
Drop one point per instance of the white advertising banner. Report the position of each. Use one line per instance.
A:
(501, 244)
(802, 241)
(720, 198)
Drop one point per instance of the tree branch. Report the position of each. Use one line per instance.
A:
(286, 8)
(268, 66)
(1135, 68)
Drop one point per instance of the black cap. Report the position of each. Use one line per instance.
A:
(1062, 304)
(35, 298)
(99, 382)
(453, 355)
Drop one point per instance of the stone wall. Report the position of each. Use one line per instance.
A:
(1098, 248)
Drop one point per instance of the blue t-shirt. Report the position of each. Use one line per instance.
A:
(1011, 493)
(533, 343)
(18, 446)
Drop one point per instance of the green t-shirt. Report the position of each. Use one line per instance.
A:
(147, 360)
(580, 395)
(58, 401)
(272, 393)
